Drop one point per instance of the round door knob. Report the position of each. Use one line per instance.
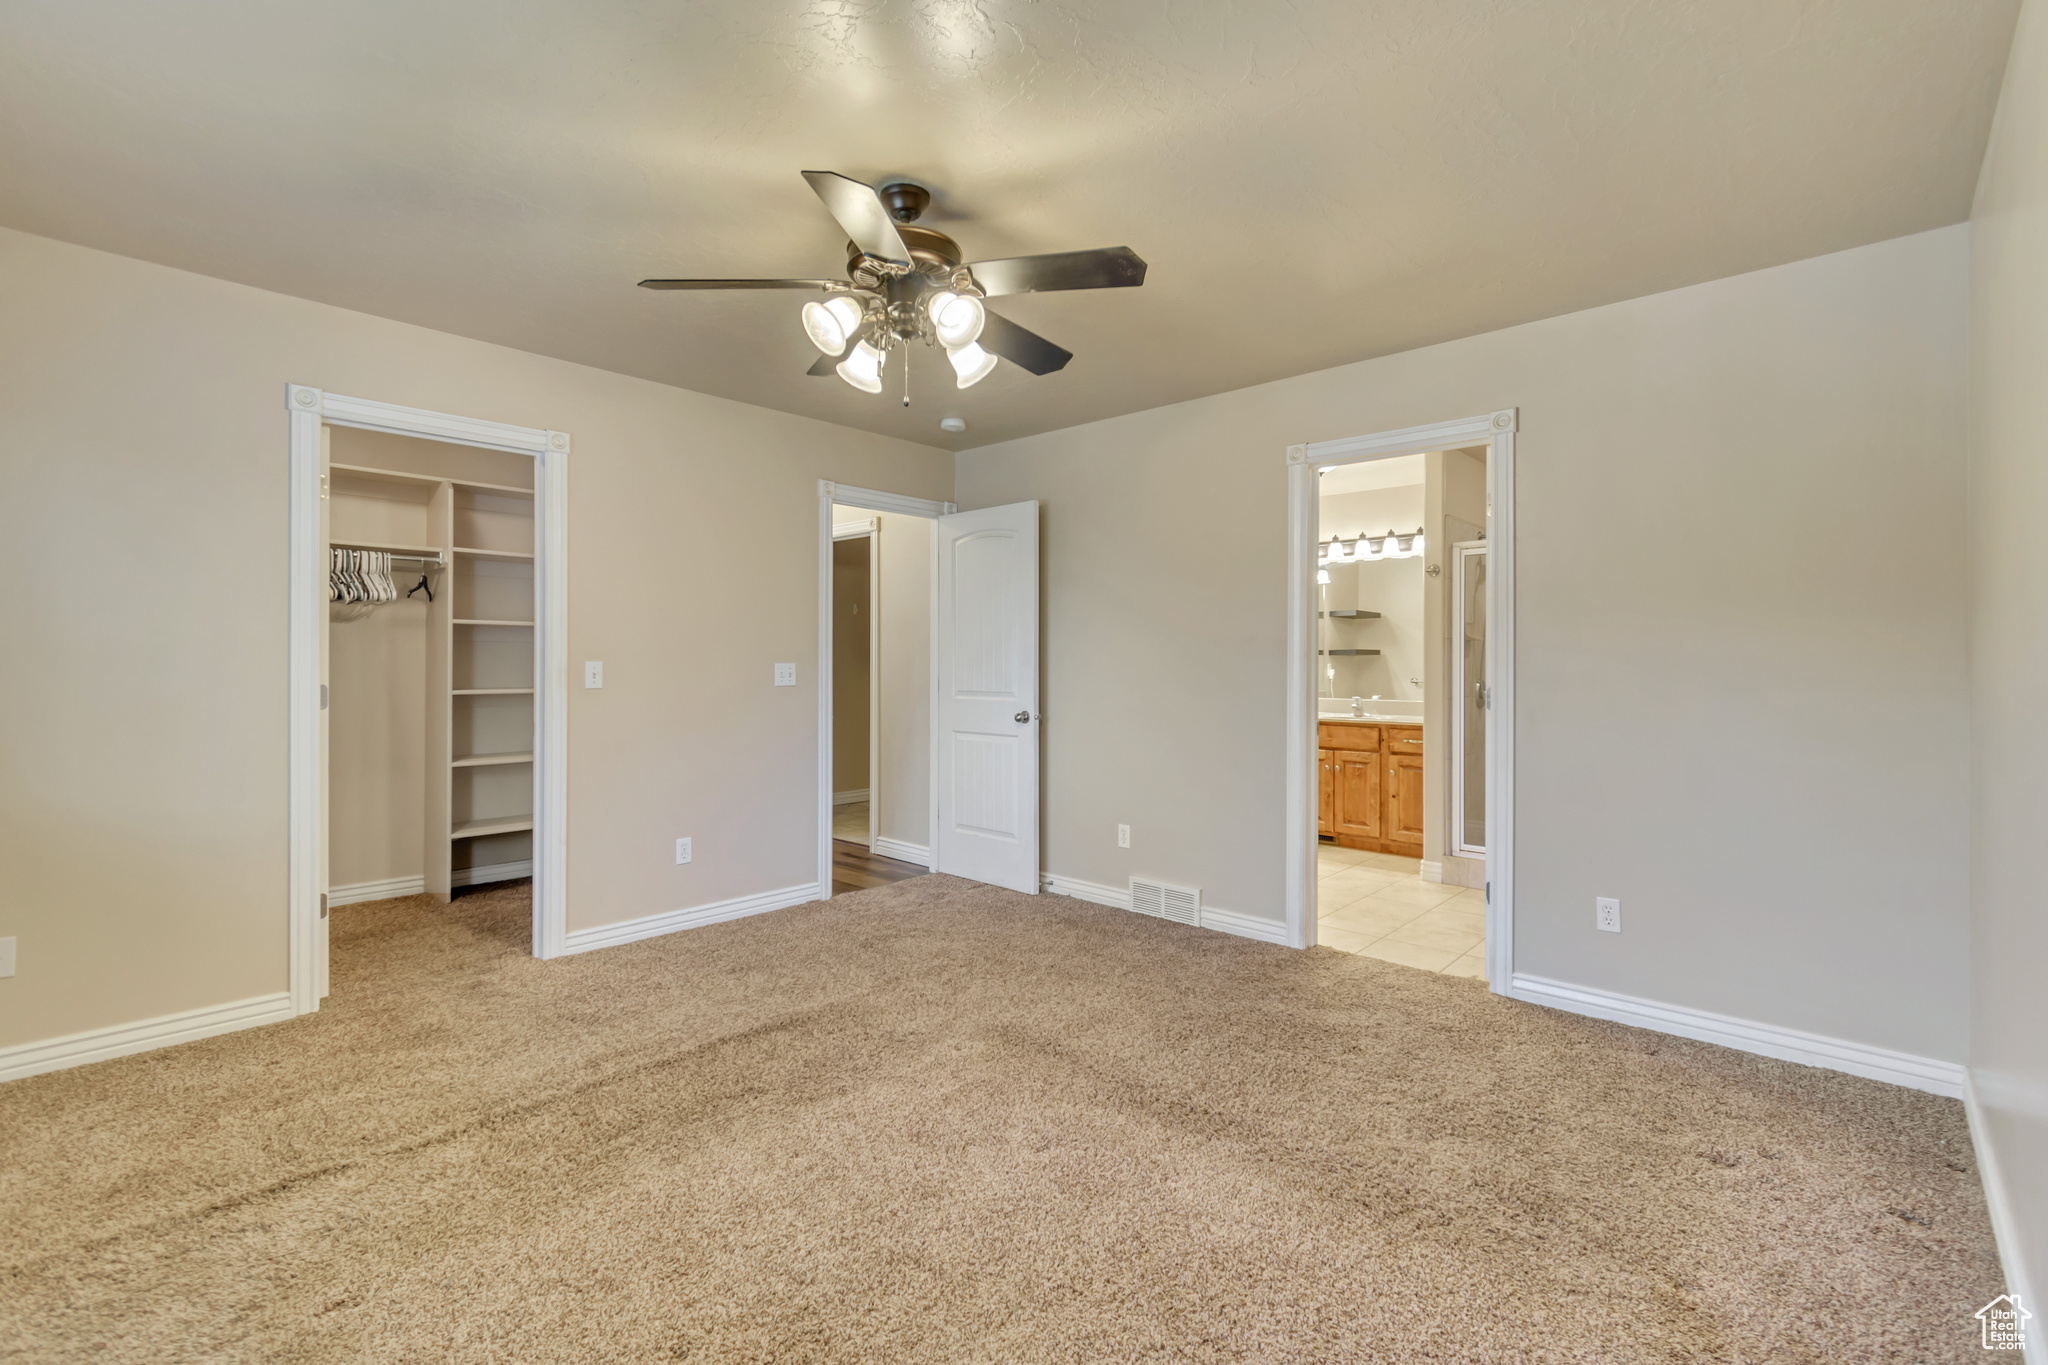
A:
(1023, 717)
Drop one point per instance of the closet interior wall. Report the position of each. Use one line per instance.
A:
(431, 718)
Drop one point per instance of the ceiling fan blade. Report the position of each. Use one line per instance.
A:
(859, 210)
(741, 284)
(1109, 267)
(1021, 346)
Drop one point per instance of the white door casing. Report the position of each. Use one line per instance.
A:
(987, 716)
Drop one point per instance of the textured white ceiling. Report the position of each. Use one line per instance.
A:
(1312, 183)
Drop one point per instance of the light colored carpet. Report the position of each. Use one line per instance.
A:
(935, 1121)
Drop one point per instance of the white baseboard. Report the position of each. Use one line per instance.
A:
(1116, 897)
(1432, 872)
(120, 1040)
(488, 873)
(1746, 1035)
(1119, 897)
(2005, 1228)
(414, 886)
(375, 891)
(909, 853)
(1245, 926)
(849, 798)
(670, 921)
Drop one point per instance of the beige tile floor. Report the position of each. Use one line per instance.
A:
(1377, 905)
(851, 822)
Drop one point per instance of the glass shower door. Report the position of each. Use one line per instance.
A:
(1468, 729)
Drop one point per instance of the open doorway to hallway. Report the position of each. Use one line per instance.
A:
(881, 697)
(1400, 638)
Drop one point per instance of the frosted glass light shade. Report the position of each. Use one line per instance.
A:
(970, 363)
(831, 323)
(958, 318)
(862, 368)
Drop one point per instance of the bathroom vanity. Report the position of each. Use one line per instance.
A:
(1371, 785)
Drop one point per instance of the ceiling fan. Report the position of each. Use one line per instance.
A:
(906, 284)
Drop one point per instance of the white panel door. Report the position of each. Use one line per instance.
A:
(987, 722)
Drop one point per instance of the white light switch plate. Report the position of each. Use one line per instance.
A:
(1123, 836)
(1607, 914)
(7, 956)
(593, 673)
(785, 675)
(682, 851)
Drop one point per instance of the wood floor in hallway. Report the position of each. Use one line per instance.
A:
(856, 869)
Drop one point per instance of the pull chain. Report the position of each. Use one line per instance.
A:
(906, 374)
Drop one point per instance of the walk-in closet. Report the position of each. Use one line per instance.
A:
(430, 666)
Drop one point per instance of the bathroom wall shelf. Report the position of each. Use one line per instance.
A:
(1353, 615)
(1347, 651)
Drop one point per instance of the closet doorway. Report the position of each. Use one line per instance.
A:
(428, 668)
(875, 686)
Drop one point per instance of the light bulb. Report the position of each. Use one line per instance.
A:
(1322, 576)
(862, 368)
(830, 323)
(971, 363)
(1417, 544)
(957, 317)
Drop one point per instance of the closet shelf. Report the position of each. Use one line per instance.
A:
(493, 487)
(486, 760)
(1347, 651)
(491, 691)
(518, 556)
(363, 471)
(504, 824)
(1353, 615)
(480, 621)
(385, 547)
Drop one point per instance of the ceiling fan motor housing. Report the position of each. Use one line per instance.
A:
(904, 200)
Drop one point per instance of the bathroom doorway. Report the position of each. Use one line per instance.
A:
(1397, 631)
(1386, 672)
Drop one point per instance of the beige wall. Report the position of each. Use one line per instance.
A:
(2009, 652)
(142, 810)
(903, 674)
(1742, 695)
(850, 716)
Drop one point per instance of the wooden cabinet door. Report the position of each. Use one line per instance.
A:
(1404, 800)
(1326, 806)
(1358, 793)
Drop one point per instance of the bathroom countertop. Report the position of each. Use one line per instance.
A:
(1369, 720)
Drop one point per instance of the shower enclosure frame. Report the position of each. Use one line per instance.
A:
(1497, 432)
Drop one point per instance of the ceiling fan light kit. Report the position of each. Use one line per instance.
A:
(907, 284)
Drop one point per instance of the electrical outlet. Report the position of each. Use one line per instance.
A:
(7, 956)
(593, 673)
(1123, 836)
(682, 851)
(1607, 914)
(785, 675)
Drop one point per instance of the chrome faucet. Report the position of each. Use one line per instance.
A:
(1358, 706)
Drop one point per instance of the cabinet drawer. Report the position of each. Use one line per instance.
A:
(1364, 738)
(1404, 739)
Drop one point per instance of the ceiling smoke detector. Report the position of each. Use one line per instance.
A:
(953, 424)
(908, 284)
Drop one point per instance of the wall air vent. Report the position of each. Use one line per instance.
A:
(1181, 904)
